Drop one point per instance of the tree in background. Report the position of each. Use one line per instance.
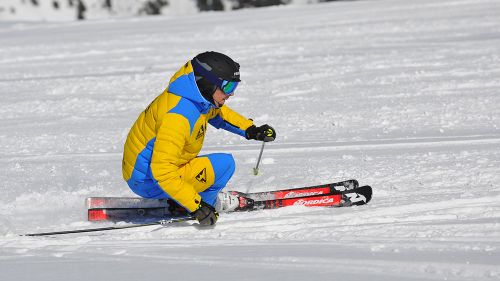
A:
(210, 5)
(240, 4)
(153, 7)
(94, 9)
(80, 10)
(107, 4)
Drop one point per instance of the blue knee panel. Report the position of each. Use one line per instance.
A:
(224, 166)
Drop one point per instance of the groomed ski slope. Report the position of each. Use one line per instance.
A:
(401, 95)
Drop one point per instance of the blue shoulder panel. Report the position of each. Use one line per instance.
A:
(187, 109)
(185, 87)
(181, 85)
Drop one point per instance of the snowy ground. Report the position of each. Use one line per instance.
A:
(401, 95)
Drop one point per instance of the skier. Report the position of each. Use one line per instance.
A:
(160, 158)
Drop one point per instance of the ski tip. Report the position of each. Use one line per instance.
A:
(366, 191)
(353, 182)
(358, 196)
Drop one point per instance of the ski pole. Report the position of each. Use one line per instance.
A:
(161, 222)
(256, 169)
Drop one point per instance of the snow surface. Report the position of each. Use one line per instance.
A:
(401, 95)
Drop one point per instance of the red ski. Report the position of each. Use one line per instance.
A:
(345, 193)
(322, 189)
(357, 196)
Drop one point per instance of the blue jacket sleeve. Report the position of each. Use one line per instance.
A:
(220, 123)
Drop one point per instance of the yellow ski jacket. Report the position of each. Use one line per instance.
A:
(170, 132)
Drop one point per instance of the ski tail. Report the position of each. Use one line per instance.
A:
(132, 214)
(132, 209)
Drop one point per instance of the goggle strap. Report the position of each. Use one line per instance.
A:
(205, 73)
(198, 67)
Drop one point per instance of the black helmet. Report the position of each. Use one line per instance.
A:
(212, 70)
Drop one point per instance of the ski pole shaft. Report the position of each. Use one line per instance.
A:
(162, 222)
(256, 169)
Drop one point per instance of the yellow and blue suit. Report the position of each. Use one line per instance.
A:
(160, 158)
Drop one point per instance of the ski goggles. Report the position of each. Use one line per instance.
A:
(228, 87)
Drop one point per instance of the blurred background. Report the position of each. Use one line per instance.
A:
(69, 10)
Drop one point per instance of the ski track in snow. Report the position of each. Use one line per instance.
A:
(401, 95)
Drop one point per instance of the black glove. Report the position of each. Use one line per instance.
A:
(205, 214)
(263, 133)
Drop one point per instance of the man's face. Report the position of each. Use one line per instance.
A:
(220, 97)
